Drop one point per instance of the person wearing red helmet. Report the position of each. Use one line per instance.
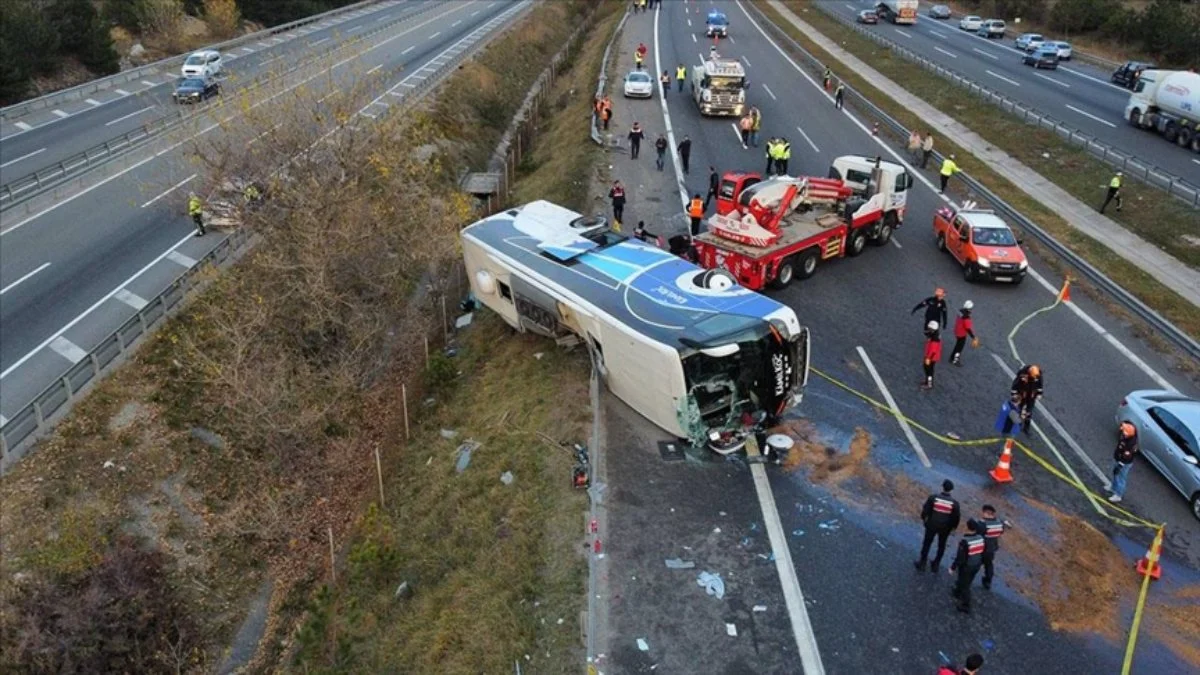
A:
(1127, 449)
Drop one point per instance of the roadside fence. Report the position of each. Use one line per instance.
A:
(596, 135)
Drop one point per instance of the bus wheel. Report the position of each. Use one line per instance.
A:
(857, 242)
(807, 264)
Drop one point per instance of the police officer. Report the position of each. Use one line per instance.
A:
(1026, 390)
(935, 308)
(967, 563)
(1114, 191)
(196, 211)
(992, 528)
(771, 143)
(785, 153)
(714, 184)
(941, 515)
(617, 195)
(839, 95)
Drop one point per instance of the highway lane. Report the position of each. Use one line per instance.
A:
(126, 235)
(866, 301)
(1077, 94)
(85, 126)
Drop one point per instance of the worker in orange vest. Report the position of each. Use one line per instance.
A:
(696, 213)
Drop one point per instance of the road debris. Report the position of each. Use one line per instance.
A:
(712, 583)
(464, 320)
(760, 608)
(448, 433)
(731, 630)
(679, 564)
(464, 455)
(507, 478)
(642, 645)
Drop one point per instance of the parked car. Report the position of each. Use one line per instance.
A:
(970, 22)
(1042, 57)
(982, 243)
(939, 12)
(1167, 424)
(1128, 73)
(867, 16)
(639, 84)
(1064, 50)
(204, 63)
(1028, 42)
(195, 89)
(992, 28)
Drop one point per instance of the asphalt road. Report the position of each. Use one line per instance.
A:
(1078, 94)
(868, 612)
(74, 273)
(61, 134)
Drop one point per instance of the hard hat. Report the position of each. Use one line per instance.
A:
(1034, 371)
(1120, 173)
(951, 156)
(968, 305)
(1127, 429)
(932, 325)
(939, 292)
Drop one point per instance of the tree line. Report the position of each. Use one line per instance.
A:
(1167, 29)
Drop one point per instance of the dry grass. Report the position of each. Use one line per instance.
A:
(1154, 217)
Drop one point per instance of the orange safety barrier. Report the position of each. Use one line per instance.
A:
(1003, 473)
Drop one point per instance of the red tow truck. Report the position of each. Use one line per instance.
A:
(771, 231)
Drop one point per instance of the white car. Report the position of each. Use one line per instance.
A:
(1028, 42)
(1064, 50)
(970, 22)
(204, 64)
(639, 84)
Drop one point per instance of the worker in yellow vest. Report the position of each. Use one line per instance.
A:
(680, 75)
(949, 168)
(696, 213)
(1114, 191)
(196, 211)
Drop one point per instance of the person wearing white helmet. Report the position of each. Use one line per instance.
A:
(963, 328)
(933, 351)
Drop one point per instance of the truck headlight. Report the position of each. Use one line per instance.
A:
(741, 97)
(706, 95)
(984, 262)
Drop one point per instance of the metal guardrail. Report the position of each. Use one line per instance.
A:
(599, 140)
(55, 98)
(1133, 167)
(36, 417)
(31, 185)
(980, 193)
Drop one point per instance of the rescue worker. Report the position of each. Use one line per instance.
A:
(785, 154)
(771, 143)
(696, 213)
(196, 211)
(949, 168)
(617, 195)
(745, 125)
(992, 528)
(964, 327)
(606, 111)
(665, 81)
(967, 564)
(680, 75)
(926, 149)
(1127, 449)
(1026, 390)
(756, 117)
(940, 515)
(1114, 191)
(660, 149)
(935, 307)
(635, 140)
(971, 667)
(640, 232)
(251, 194)
(839, 95)
(826, 79)
(714, 183)
(933, 352)
(638, 58)
(685, 152)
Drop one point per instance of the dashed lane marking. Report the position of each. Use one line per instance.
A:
(887, 396)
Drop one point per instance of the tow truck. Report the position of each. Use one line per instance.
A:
(768, 232)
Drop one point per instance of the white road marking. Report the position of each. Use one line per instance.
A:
(382, 18)
(903, 33)
(1085, 76)
(1051, 79)
(248, 50)
(122, 92)
(1196, 161)
(810, 142)
(434, 36)
(181, 259)
(18, 281)
(68, 350)
(314, 44)
(737, 132)
(887, 396)
(371, 71)
(3, 420)
(125, 117)
(1001, 77)
(896, 241)
(408, 50)
(60, 113)
(133, 300)
(849, 7)
(689, 23)
(23, 126)
(149, 84)
(746, 60)
(768, 90)
(455, 24)
(947, 53)
(1088, 114)
(701, 57)
(944, 36)
(475, 12)
(730, 38)
(355, 29)
(91, 102)
(27, 156)
(990, 56)
(169, 190)
(694, 38)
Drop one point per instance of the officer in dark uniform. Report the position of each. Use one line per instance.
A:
(992, 529)
(941, 515)
(967, 563)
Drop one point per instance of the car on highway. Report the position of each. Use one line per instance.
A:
(982, 243)
(639, 84)
(939, 12)
(195, 89)
(1168, 424)
(1064, 49)
(1028, 42)
(1042, 57)
(867, 16)
(204, 63)
(1127, 74)
(970, 22)
(992, 28)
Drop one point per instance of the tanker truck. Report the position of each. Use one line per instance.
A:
(897, 11)
(1168, 101)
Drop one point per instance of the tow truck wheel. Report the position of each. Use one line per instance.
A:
(785, 274)
(807, 265)
(941, 243)
(857, 243)
(885, 233)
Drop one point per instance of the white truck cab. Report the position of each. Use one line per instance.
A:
(719, 86)
(862, 175)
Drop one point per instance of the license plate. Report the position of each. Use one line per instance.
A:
(1004, 278)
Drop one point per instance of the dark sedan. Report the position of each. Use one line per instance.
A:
(868, 16)
(939, 12)
(1042, 57)
(1127, 75)
(195, 89)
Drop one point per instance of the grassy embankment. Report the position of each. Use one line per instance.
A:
(131, 543)
(1148, 213)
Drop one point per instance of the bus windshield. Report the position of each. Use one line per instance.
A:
(760, 376)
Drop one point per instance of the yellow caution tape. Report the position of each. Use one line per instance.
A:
(1141, 604)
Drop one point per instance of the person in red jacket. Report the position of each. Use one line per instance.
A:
(963, 328)
(933, 351)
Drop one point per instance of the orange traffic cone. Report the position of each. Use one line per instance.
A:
(1064, 295)
(1002, 472)
(1148, 565)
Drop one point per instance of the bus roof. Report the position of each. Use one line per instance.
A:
(644, 287)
